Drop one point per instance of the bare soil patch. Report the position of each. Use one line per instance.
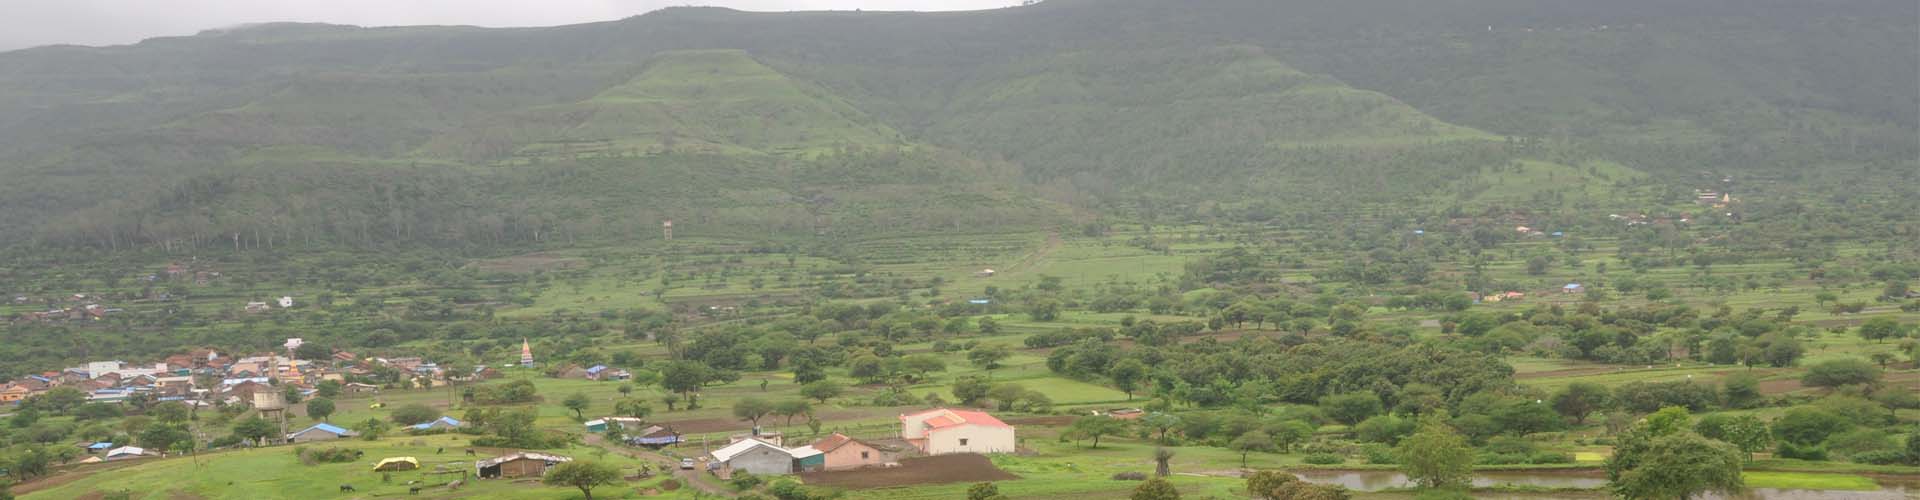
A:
(1569, 372)
(959, 468)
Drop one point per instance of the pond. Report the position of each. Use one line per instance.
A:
(1376, 480)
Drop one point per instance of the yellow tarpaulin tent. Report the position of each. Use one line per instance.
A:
(396, 463)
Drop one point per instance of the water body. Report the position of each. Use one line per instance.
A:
(1382, 479)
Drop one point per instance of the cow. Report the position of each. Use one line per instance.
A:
(413, 491)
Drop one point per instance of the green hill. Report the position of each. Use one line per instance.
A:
(800, 124)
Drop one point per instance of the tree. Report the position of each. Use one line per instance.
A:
(414, 414)
(822, 391)
(1127, 375)
(320, 409)
(165, 437)
(578, 402)
(59, 400)
(1436, 456)
(635, 408)
(1351, 408)
(1095, 426)
(1808, 426)
(328, 388)
(970, 390)
(792, 408)
(583, 474)
(752, 409)
(685, 378)
(255, 429)
(920, 365)
(1742, 390)
(1250, 442)
(1155, 489)
(1839, 372)
(1161, 422)
(1581, 399)
(1287, 434)
(988, 357)
(171, 412)
(1745, 432)
(1881, 328)
(1006, 395)
(1680, 465)
(1384, 429)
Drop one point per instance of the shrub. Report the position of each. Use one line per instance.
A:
(326, 455)
(1130, 476)
(1500, 459)
(744, 481)
(1379, 455)
(1813, 452)
(1841, 372)
(1549, 457)
(1324, 459)
(1879, 457)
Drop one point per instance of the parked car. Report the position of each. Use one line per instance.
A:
(686, 464)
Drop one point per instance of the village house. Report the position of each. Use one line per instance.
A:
(128, 453)
(14, 393)
(257, 307)
(603, 372)
(320, 432)
(943, 431)
(653, 436)
(762, 458)
(842, 452)
(523, 464)
(448, 423)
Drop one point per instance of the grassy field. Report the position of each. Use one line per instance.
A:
(275, 472)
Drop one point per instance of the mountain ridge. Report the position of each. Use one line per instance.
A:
(1111, 104)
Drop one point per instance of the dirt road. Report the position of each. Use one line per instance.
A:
(694, 478)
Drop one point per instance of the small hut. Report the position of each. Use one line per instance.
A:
(396, 464)
(523, 464)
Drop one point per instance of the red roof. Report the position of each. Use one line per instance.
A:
(950, 418)
(833, 442)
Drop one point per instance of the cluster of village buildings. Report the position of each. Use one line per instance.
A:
(205, 377)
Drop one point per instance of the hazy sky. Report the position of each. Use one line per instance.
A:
(27, 23)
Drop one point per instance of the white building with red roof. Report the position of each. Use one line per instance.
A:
(943, 431)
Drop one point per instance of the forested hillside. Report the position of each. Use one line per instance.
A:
(808, 124)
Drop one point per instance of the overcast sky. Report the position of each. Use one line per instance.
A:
(28, 23)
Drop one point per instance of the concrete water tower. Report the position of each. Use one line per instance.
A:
(272, 406)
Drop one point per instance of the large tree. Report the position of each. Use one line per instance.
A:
(320, 409)
(1436, 456)
(1250, 442)
(822, 390)
(1095, 426)
(578, 402)
(685, 378)
(1680, 465)
(582, 474)
(1580, 399)
(752, 410)
(1661, 457)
